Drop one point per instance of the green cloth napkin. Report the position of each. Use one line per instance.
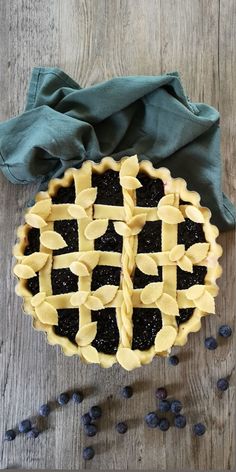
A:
(64, 124)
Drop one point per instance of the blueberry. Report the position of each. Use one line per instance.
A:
(199, 429)
(10, 435)
(33, 433)
(164, 424)
(173, 360)
(164, 405)
(223, 384)
(90, 429)
(127, 392)
(180, 421)
(121, 428)
(63, 399)
(161, 393)
(152, 419)
(176, 406)
(86, 419)
(25, 426)
(77, 397)
(211, 343)
(88, 453)
(95, 412)
(44, 410)
(225, 331)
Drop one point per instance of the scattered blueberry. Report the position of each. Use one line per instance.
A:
(199, 429)
(161, 393)
(211, 343)
(180, 421)
(63, 399)
(223, 384)
(86, 419)
(152, 419)
(164, 405)
(33, 433)
(164, 424)
(90, 429)
(95, 412)
(44, 410)
(25, 426)
(173, 360)
(77, 397)
(176, 406)
(121, 428)
(88, 453)
(127, 392)
(225, 331)
(10, 435)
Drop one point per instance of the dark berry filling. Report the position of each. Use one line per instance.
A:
(187, 279)
(68, 323)
(149, 239)
(63, 281)
(105, 275)
(150, 193)
(184, 315)
(64, 195)
(110, 241)
(140, 280)
(107, 337)
(146, 324)
(183, 202)
(109, 190)
(33, 241)
(33, 284)
(190, 233)
(69, 231)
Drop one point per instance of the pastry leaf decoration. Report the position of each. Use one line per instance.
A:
(86, 334)
(153, 293)
(52, 240)
(185, 259)
(194, 214)
(86, 197)
(202, 298)
(96, 228)
(132, 227)
(146, 264)
(165, 338)
(129, 170)
(98, 300)
(127, 358)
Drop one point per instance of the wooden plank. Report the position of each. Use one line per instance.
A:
(95, 40)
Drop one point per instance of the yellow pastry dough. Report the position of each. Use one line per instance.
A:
(128, 221)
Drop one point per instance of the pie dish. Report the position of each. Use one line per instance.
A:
(117, 262)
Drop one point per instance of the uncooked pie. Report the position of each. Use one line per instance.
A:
(117, 262)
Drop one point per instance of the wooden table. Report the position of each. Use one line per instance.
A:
(94, 40)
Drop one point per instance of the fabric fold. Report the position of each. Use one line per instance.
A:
(64, 124)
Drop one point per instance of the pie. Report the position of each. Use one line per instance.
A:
(117, 262)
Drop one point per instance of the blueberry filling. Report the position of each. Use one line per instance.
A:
(187, 279)
(110, 241)
(68, 323)
(149, 239)
(184, 315)
(105, 275)
(33, 284)
(150, 193)
(109, 191)
(140, 280)
(33, 242)
(68, 229)
(146, 324)
(107, 337)
(63, 281)
(64, 195)
(190, 233)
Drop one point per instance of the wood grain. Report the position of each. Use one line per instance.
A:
(94, 40)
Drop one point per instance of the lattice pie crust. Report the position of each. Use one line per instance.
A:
(174, 207)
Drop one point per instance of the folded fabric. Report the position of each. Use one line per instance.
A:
(64, 124)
